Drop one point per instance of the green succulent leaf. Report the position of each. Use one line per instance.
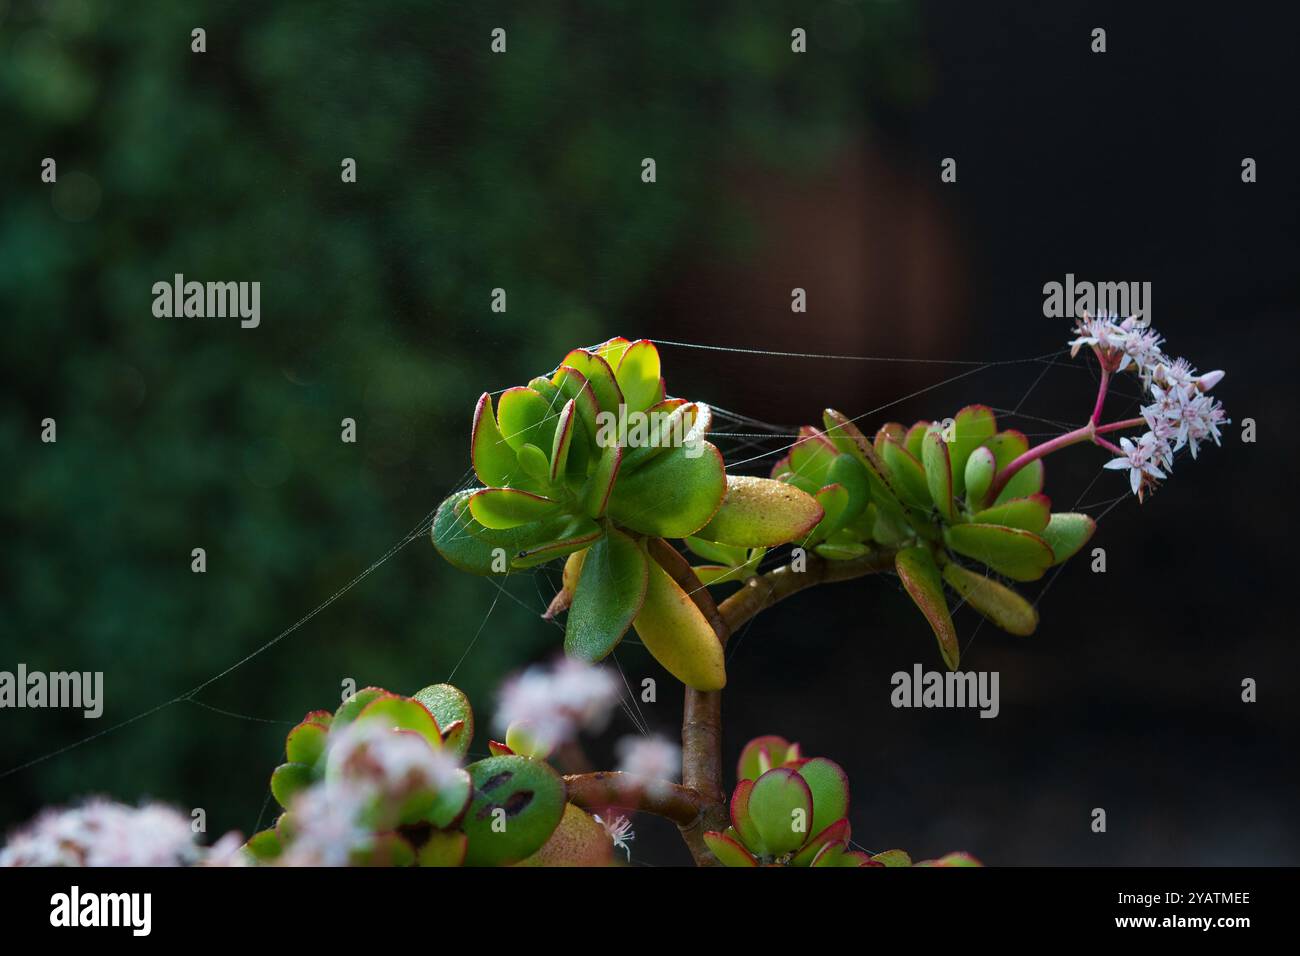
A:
(914, 439)
(525, 418)
(1066, 533)
(600, 484)
(453, 713)
(714, 551)
(639, 376)
(909, 476)
(920, 577)
(811, 456)
(972, 427)
(403, 713)
(264, 846)
(599, 376)
(678, 635)
(829, 785)
(762, 754)
(612, 350)
(672, 496)
(500, 509)
(781, 805)
(978, 474)
(288, 780)
(531, 797)
(494, 460)
(355, 704)
(1027, 514)
(834, 501)
(762, 513)
(610, 593)
(562, 441)
(468, 545)
(742, 819)
(997, 602)
(573, 534)
(573, 385)
(728, 851)
(892, 858)
(849, 439)
(938, 473)
(306, 743)
(1020, 555)
(836, 832)
(1006, 447)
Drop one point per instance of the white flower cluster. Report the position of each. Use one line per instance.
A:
(102, 832)
(556, 703)
(370, 770)
(655, 761)
(1181, 413)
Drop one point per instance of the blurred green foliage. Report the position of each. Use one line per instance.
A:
(475, 171)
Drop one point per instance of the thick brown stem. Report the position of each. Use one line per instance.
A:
(702, 713)
(597, 791)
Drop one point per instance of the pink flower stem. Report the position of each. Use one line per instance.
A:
(1101, 395)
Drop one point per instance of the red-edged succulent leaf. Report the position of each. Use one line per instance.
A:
(524, 417)
(908, 475)
(920, 577)
(355, 704)
(997, 602)
(849, 439)
(611, 350)
(498, 749)
(639, 376)
(531, 797)
(562, 441)
(1020, 555)
(829, 785)
(938, 473)
(913, 439)
(500, 509)
(1066, 533)
(811, 456)
(451, 709)
(714, 551)
(573, 385)
(494, 460)
(673, 495)
(952, 860)
(1027, 514)
(305, 743)
(727, 850)
(678, 635)
(972, 427)
(762, 513)
(781, 807)
(834, 501)
(577, 533)
(892, 858)
(836, 832)
(403, 713)
(322, 717)
(669, 424)
(600, 484)
(762, 754)
(610, 593)
(599, 376)
(742, 819)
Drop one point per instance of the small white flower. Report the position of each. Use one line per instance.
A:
(101, 832)
(1141, 458)
(620, 833)
(327, 825)
(558, 702)
(1100, 332)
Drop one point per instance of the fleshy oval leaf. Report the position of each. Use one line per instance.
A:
(997, 602)
(678, 635)
(609, 595)
(1020, 555)
(920, 577)
(1066, 533)
(762, 513)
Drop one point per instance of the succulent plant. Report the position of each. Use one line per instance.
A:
(927, 492)
(789, 810)
(597, 463)
(380, 781)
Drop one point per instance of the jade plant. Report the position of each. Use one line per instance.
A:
(596, 466)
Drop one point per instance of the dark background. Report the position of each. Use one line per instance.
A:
(522, 171)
